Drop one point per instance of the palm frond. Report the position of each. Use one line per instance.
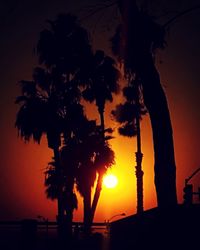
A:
(125, 112)
(28, 87)
(88, 94)
(42, 78)
(51, 181)
(105, 158)
(128, 129)
(21, 99)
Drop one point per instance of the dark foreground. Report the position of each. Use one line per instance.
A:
(32, 235)
(177, 228)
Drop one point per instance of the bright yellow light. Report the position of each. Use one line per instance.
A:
(110, 181)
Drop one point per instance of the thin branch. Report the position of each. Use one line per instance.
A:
(180, 15)
(167, 13)
(98, 10)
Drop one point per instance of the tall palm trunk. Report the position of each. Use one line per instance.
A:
(101, 114)
(60, 216)
(165, 167)
(69, 186)
(87, 211)
(139, 173)
(96, 195)
(100, 174)
(69, 207)
(156, 103)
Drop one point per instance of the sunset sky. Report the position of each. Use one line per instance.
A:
(22, 165)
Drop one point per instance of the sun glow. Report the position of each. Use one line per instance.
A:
(110, 181)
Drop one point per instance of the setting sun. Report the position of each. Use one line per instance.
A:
(110, 181)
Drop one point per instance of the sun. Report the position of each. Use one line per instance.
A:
(110, 181)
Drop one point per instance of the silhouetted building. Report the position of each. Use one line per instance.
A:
(156, 229)
(188, 194)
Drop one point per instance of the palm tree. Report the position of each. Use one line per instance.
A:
(101, 77)
(63, 48)
(129, 115)
(78, 167)
(48, 110)
(69, 199)
(40, 114)
(141, 37)
(95, 157)
(51, 183)
(69, 163)
(50, 103)
(104, 160)
(76, 153)
(86, 172)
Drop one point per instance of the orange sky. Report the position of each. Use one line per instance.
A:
(22, 165)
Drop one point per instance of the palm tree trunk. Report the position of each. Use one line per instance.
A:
(139, 173)
(96, 195)
(68, 204)
(165, 167)
(87, 212)
(156, 103)
(100, 174)
(60, 216)
(101, 113)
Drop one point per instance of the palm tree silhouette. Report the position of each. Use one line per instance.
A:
(50, 104)
(101, 82)
(51, 183)
(63, 49)
(94, 156)
(77, 161)
(69, 163)
(86, 171)
(44, 111)
(139, 37)
(40, 113)
(82, 157)
(69, 199)
(65, 45)
(128, 115)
